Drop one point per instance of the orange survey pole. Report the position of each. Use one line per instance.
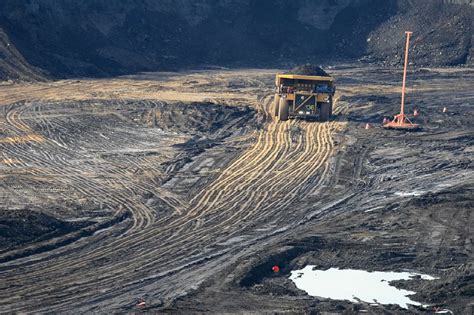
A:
(401, 121)
(402, 111)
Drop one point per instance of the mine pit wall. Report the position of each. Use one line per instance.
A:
(13, 65)
(102, 38)
(470, 56)
(442, 34)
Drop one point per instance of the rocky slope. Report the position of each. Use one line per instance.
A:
(100, 38)
(12, 64)
(442, 34)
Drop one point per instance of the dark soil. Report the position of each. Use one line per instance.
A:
(13, 65)
(71, 39)
(198, 126)
(20, 227)
(411, 250)
(372, 230)
(200, 118)
(192, 204)
(442, 34)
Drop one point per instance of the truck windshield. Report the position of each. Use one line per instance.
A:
(324, 88)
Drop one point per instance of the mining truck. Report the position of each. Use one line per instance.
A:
(304, 96)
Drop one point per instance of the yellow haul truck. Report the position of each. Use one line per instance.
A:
(304, 96)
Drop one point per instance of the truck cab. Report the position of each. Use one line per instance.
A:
(304, 96)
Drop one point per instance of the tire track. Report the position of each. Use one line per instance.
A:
(248, 191)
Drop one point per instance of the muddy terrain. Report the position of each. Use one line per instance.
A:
(181, 190)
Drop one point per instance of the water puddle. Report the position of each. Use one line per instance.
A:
(355, 285)
(414, 193)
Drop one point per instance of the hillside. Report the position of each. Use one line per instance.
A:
(12, 64)
(102, 38)
(442, 34)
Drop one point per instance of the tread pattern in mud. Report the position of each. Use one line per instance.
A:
(104, 156)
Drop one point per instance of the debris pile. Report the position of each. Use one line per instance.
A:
(309, 69)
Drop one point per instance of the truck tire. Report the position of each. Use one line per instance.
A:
(283, 110)
(330, 107)
(325, 112)
(276, 104)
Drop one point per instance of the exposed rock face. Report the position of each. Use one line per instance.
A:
(321, 14)
(442, 34)
(12, 64)
(110, 37)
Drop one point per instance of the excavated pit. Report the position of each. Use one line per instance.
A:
(102, 137)
(191, 191)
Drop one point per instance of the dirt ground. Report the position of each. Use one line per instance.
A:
(182, 190)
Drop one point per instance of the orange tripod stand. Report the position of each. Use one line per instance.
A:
(401, 121)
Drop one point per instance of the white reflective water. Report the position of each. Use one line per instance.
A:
(355, 285)
(414, 193)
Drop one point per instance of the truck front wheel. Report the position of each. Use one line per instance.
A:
(325, 112)
(283, 110)
(330, 106)
(276, 104)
